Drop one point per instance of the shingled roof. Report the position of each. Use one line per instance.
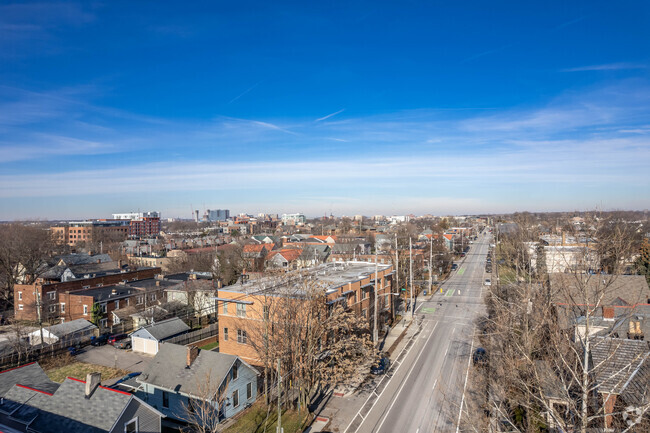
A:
(621, 366)
(606, 290)
(31, 375)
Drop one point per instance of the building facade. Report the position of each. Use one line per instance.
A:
(243, 305)
(78, 232)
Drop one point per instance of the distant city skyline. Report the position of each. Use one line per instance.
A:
(348, 108)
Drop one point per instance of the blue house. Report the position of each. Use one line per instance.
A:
(179, 378)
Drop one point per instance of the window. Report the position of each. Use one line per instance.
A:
(117, 305)
(62, 307)
(139, 299)
(52, 308)
(20, 296)
(235, 398)
(103, 306)
(365, 294)
(152, 297)
(225, 334)
(51, 295)
(235, 372)
(241, 310)
(103, 322)
(249, 390)
(20, 306)
(364, 312)
(386, 301)
(165, 399)
(86, 287)
(242, 337)
(225, 308)
(131, 426)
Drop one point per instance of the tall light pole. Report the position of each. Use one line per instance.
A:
(411, 272)
(375, 331)
(430, 263)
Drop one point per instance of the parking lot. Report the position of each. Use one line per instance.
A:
(111, 357)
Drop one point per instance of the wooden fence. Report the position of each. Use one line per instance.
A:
(197, 335)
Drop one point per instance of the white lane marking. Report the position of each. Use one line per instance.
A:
(434, 385)
(403, 383)
(462, 400)
(386, 387)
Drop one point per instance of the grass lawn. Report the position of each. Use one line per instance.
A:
(79, 370)
(255, 420)
(209, 346)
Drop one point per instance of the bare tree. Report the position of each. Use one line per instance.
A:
(204, 409)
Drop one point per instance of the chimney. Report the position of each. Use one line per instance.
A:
(608, 313)
(192, 353)
(114, 292)
(157, 283)
(92, 382)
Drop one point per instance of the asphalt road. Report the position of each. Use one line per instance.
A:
(427, 384)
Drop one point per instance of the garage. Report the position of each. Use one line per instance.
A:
(147, 339)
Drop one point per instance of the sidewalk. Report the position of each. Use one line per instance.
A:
(339, 408)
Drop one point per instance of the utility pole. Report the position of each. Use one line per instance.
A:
(375, 331)
(279, 428)
(430, 263)
(411, 273)
(38, 311)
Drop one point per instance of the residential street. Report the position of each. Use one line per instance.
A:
(428, 378)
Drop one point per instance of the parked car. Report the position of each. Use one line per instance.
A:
(381, 367)
(480, 356)
(488, 282)
(116, 337)
(101, 340)
(73, 350)
(124, 343)
(127, 377)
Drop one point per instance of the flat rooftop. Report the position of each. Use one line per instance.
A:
(328, 275)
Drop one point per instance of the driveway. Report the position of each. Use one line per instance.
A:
(109, 356)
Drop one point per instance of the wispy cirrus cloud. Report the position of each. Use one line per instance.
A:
(320, 119)
(607, 67)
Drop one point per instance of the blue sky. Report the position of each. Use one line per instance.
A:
(343, 107)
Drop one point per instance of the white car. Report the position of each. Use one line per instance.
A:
(487, 282)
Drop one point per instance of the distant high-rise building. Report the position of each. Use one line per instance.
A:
(142, 224)
(217, 215)
(294, 219)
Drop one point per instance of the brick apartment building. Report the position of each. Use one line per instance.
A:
(141, 224)
(53, 308)
(240, 306)
(77, 232)
(133, 297)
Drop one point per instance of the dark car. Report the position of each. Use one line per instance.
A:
(381, 367)
(116, 337)
(99, 341)
(127, 377)
(124, 343)
(72, 350)
(480, 356)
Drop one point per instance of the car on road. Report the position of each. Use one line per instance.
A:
(100, 340)
(480, 356)
(116, 337)
(454, 267)
(381, 366)
(487, 282)
(125, 343)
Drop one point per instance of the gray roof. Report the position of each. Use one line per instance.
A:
(616, 363)
(167, 369)
(71, 327)
(31, 375)
(82, 259)
(580, 289)
(166, 328)
(70, 411)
